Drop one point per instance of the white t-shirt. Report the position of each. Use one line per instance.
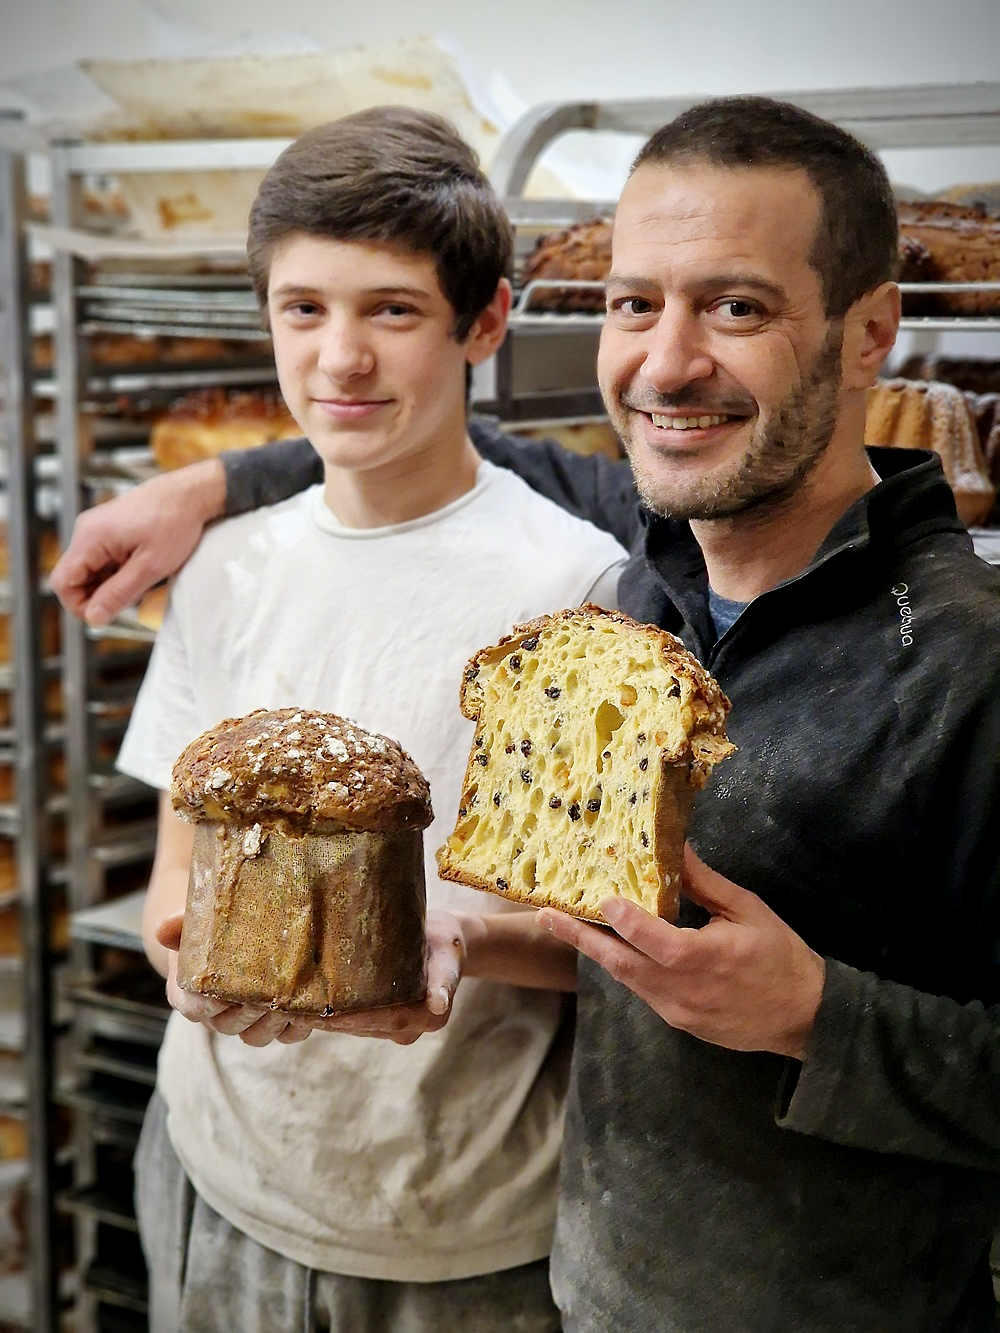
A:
(353, 1155)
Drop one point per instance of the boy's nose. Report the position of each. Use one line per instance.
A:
(345, 353)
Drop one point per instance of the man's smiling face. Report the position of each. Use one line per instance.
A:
(718, 364)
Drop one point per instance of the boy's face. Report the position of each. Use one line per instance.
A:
(364, 352)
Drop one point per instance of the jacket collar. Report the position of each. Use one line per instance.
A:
(912, 500)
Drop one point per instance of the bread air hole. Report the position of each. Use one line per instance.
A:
(607, 720)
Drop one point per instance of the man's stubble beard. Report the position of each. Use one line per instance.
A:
(776, 462)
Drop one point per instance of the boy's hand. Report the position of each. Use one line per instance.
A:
(121, 548)
(745, 980)
(254, 1024)
(446, 951)
(257, 1025)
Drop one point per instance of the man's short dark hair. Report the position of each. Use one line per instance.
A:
(857, 239)
(395, 176)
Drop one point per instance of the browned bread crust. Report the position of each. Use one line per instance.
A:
(938, 242)
(963, 244)
(581, 252)
(300, 772)
(593, 733)
(212, 421)
(925, 414)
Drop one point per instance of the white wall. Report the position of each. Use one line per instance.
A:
(559, 49)
(568, 48)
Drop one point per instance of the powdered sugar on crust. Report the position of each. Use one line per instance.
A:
(301, 772)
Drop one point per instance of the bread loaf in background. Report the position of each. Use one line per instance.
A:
(209, 422)
(939, 241)
(307, 879)
(962, 244)
(581, 252)
(593, 732)
(925, 414)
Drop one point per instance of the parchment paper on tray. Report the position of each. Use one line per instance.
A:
(260, 96)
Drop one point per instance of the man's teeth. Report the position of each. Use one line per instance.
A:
(686, 423)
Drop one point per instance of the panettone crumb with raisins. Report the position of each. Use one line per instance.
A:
(593, 733)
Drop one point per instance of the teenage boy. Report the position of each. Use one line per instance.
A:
(343, 1182)
(788, 1118)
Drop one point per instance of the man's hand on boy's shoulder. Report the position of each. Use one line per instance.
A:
(119, 549)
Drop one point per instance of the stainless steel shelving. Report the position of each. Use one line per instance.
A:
(33, 1303)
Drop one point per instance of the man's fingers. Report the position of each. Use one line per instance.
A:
(600, 945)
(651, 935)
(118, 590)
(73, 581)
(718, 895)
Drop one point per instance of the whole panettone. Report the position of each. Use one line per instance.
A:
(593, 733)
(307, 879)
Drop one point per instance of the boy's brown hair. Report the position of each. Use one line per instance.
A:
(393, 176)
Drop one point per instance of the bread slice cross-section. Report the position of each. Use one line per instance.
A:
(593, 733)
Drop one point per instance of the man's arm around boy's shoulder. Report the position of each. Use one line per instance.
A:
(120, 549)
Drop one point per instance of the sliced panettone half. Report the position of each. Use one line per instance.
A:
(593, 733)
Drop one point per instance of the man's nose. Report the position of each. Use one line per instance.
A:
(677, 352)
(346, 350)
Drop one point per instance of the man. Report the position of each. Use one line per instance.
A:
(783, 1111)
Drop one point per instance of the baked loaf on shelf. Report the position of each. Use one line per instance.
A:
(307, 879)
(975, 374)
(939, 241)
(963, 245)
(925, 414)
(593, 733)
(581, 252)
(209, 422)
(579, 437)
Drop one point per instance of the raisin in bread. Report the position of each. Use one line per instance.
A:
(593, 733)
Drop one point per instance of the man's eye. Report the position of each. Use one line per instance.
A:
(632, 305)
(737, 309)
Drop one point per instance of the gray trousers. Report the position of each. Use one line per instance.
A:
(207, 1277)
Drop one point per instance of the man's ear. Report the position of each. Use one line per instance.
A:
(870, 328)
(490, 328)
